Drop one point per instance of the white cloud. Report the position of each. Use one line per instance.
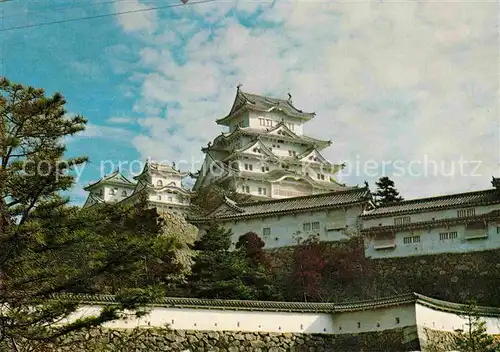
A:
(106, 132)
(121, 120)
(397, 80)
(136, 21)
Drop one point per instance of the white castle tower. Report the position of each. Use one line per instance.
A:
(265, 153)
(161, 183)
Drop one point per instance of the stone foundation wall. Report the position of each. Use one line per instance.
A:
(152, 340)
(457, 277)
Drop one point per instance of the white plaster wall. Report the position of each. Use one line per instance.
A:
(286, 229)
(430, 243)
(276, 117)
(166, 179)
(279, 322)
(445, 321)
(118, 194)
(426, 216)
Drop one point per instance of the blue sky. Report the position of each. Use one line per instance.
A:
(392, 83)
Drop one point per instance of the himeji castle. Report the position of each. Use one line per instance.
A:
(265, 153)
(161, 184)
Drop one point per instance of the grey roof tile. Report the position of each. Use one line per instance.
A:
(296, 204)
(489, 196)
(263, 103)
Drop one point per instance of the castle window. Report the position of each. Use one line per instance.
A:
(101, 192)
(463, 213)
(411, 239)
(448, 235)
(402, 220)
(260, 190)
(158, 197)
(264, 191)
(266, 232)
(169, 199)
(269, 122)
(315, 225)
(306, 226)
(124, 193)
(289, 153)
(247, 189)
(250, 167)
(159, 183)
(112, 191)
(262, 122)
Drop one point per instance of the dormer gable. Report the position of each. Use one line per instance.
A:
(312, 156)
(227, 207)
(256, 148)
(282, 130)
(116, 178)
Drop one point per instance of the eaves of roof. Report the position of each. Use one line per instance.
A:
(421, 205)
(300, 307)
(352, 197)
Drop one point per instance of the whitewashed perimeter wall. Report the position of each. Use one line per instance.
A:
(284, 228)
(444, 321)
(279, 322)
(430, 242)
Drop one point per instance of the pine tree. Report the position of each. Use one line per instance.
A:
(474, 338)
(386, 192)
(47, 247)
(217, 272)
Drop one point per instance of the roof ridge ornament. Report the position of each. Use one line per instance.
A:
(289, 97)
(239, 86)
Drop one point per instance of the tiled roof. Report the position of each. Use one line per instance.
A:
(255, 132)
(302, 307)
(154, 166)
(196, 303)
(115, 178)
(93, 199)
(275, 175)
(489, 196)
(263, 103)
(295, 204)
(437, 223)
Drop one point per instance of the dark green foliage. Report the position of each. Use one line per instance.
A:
(474, 337)
(48, 247)
(217, 272)
(386, 192)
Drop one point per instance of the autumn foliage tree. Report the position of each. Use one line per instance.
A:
(258, 271)
(307, 273)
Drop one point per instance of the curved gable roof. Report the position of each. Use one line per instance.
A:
(262, 103)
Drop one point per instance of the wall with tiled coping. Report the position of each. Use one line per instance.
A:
(278, 322)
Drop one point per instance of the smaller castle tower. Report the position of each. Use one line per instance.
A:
(161, 183)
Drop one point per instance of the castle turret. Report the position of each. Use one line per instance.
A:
(265, 153)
